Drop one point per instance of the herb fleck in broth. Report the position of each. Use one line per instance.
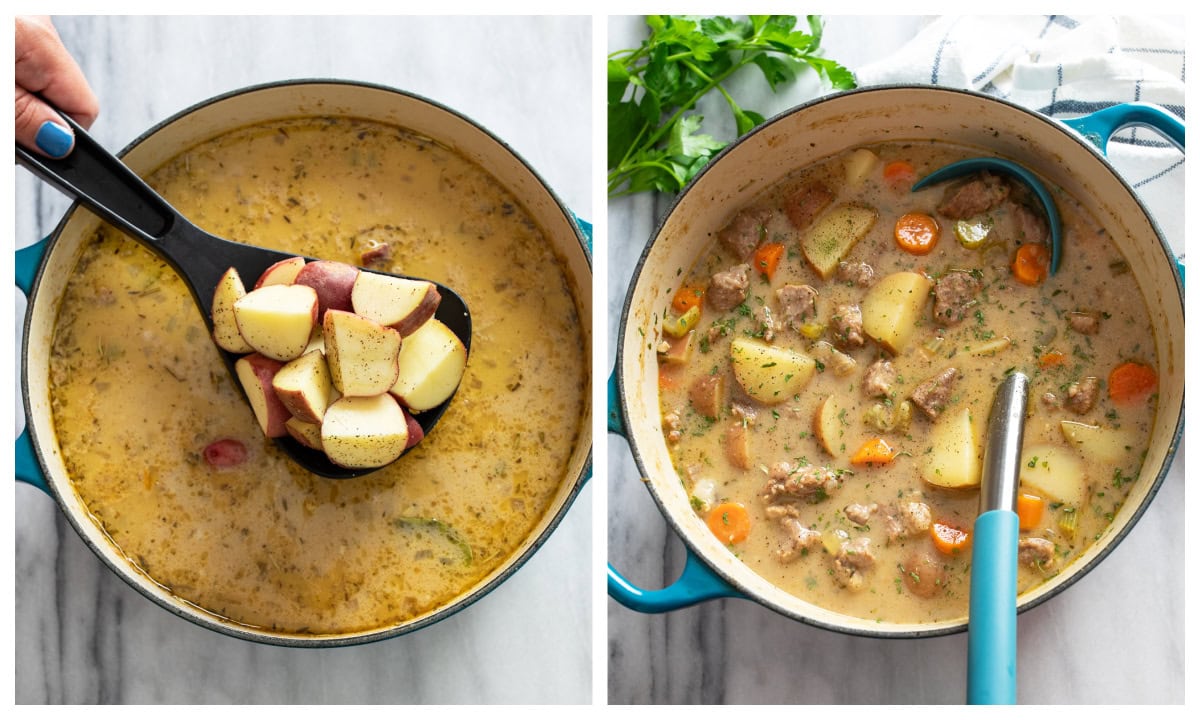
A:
(138, 389)
(863, 518)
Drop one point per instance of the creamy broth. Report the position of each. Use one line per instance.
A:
(139, 390)
(733, 455)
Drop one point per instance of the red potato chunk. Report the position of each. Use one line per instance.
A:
(225, 453)
(334, 283)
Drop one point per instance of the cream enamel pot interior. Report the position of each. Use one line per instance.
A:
(818, 130)
(43, 269)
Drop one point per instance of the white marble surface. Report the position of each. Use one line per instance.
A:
(1114, 637)
(82, 635)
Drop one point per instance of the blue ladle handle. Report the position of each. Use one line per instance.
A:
(698, 582)
(992, 621)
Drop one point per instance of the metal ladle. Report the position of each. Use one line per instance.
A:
(992, 622)
(106, 186)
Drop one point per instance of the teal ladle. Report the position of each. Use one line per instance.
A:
(1007, 167)
(992, 619)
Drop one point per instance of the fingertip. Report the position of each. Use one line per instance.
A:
(54, 139)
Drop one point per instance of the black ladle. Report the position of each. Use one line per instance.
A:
(103, 184)
(1012, 169)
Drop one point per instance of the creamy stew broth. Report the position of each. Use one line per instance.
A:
(139, 391)
(830, 429)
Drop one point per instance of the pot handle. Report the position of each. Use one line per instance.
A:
(27, 469)
(698, 582)
(1101, 125)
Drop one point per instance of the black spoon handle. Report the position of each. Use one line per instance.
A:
(102, 183)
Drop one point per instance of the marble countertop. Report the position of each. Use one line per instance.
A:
(1116, 636)
(81, 634)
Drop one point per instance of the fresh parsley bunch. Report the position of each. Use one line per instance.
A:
(652, 143)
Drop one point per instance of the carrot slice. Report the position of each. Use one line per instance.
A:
(1130, 382)
(899, 174)
(917, 233)
(875, 451)
(948, 539)
(767, 257)
(1029, 510)
(687, 297)
(1051, 359)
(1030, 264)
(730, 522)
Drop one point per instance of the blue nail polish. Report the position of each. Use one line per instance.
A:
(54, 139)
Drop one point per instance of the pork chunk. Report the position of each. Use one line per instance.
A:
(859, 514)
(728, 288)
(1081, 396)
(907, 519)
(932, 395)
(852, 563)
(1031, 226)
(743, 234)
(953, 294)
(766, 322)
(847, 327)
(1084, 323)
(878, 378)
(798, 539)
(856, 273)
(1037, 552)
(787, 482)
(803, 206)
(797, 305)
(979, 194)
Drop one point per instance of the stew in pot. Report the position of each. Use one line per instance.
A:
(169, 460)
(826, 370)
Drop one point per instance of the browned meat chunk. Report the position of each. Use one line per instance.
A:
(744, 412)
(1081, 396)
(852, 562)
(707, 395)
(856, 273)
(787, 482)
(728, 288)
(846, 325)
(859, 514)
(878, 378)
(797, 304)
(1050, 400)
(907, 519)
(745, 232)
(979, 194)
(803, 206)
(766, 322)
(1084, 323)
(1037, 552)
(737, 446)
(1031, 226)
(953, 294)
(933, 394)
(798, 539)
(672, 425)
(924, 574)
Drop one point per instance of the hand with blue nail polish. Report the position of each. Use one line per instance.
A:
(44, 68)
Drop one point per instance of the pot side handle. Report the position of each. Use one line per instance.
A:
(27, 469)
(698, 582)
(1101, 125)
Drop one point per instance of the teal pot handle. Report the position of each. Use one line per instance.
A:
(586, 228)
(28, 261)
(992, 627)
(698, 582)
(1101, 125)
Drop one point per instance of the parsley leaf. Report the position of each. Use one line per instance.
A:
(653, 144)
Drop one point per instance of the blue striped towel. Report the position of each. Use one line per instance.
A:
(1064, 67)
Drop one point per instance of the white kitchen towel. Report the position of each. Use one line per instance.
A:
(1064, 67)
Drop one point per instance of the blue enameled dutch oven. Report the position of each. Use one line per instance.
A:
(1070, 154)
(42, 271)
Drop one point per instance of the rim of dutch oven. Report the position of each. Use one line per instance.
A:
(205, 618)
(1079, 572)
